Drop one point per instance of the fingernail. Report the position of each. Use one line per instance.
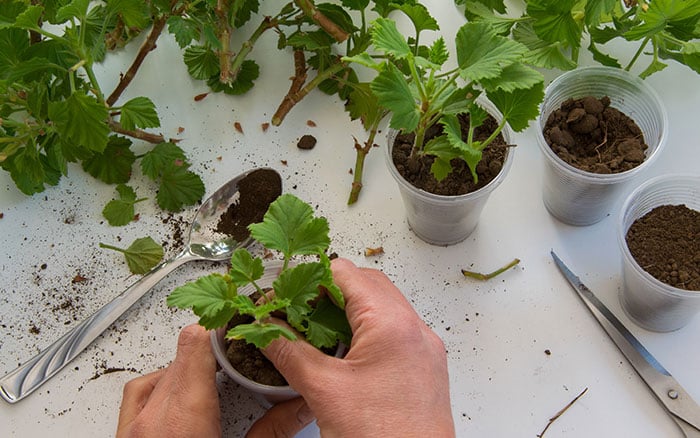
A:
(304, 414)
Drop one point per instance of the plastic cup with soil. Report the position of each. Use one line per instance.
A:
(245, 364)
(598, 128)
(447, 212)
(659, 236)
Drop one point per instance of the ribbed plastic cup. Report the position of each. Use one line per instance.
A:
(577, 197)
(446, 220)
(649, 302)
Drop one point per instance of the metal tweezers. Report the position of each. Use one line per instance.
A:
(678, 403)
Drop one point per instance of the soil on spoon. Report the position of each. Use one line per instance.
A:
(589, 134)
(256, 192)
(460, 180)
(666, 243)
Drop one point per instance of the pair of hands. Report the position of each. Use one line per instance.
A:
(392, 382)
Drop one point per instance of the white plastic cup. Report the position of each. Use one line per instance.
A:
(446, 220)
(649, 302)
(577, 197)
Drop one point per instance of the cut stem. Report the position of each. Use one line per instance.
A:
(484, 277)
(561, 412)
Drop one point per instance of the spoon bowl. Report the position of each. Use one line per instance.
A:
(205, 242)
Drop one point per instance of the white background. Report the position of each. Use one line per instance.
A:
(496, 333)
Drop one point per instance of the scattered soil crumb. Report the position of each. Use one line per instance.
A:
(307, 142)
(237, 126)
(311, 123)
(199, 97)
(264, 127)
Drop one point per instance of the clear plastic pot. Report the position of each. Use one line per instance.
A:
(577, 197)
(649, 302)
(446, 220)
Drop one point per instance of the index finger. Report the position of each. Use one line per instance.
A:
(367, 290)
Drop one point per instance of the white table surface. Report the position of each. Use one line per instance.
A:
(502, 381)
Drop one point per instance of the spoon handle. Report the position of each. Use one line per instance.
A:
(28, 377)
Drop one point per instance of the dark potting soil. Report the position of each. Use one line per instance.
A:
(591, 135)
(666, 243)
(249, 360)
(257, 191)
(460, 180)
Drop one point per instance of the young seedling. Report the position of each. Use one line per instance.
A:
(305, 292)
(420, 92)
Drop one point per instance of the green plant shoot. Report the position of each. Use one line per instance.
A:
(414, 85)
(312, 303)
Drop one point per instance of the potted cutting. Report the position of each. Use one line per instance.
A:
(450, 128)
(253, 290)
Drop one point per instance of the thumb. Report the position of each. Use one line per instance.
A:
(194, 357)
(298, 361)
(284, 420)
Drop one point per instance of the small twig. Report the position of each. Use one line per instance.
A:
(136, 133)
(484, 277)
(561, 412)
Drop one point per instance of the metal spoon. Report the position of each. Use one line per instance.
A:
(204, 244)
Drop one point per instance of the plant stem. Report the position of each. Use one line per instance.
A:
(324, 22)
(224, 35)
(146, 47)
(247, 46)
(114, 248)
(296, 91)
(361, 154)
(136, 133)
(484, 277)
(637, 54)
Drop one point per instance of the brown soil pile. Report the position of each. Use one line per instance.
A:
(666, 243)
(591, 135)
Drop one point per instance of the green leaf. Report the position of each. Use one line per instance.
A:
(139, 112)
(242, 11)
(202, 63)
(480, 12)
(662, 13)
(210, 297)
(141, 256)
(135, 13)
(289, 227)
(178, 188)
(514, 77)
(160, 158)
(82, 119)
(328, 325)
(602, 58)
(327, 282)
(554, 21)
(363, 104)
(244, 268)
(355, 5)
(469, 152)
(442, 150)
(259, 335)
(310, 41)
(245, 78)
(119, 212)
(114, 164)
(691, 55)
(419, 16)
(387, 38)
(518, 107)
(185, 31)
(438, 52)
(393, 93)
(75, 9)
(595, 10)
(26, 170)
(653, 67)
(299, 285)
(29, 19)
(482, 54)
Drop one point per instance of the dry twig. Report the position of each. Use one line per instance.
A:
(561, 412)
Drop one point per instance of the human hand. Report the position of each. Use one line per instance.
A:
(178, 401)
(393, 380)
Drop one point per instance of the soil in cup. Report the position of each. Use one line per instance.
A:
(666, 243)
(591, 135)
(459, 181)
